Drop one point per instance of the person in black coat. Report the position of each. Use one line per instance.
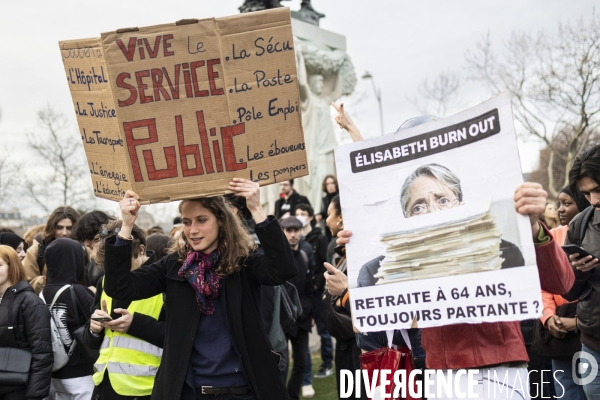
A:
(24, 324)
(65, 262)
(215, 343)
(313, 235)
(337, 315)
(303, 281)
(289, 199)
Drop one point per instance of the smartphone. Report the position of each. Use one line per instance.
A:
(573, 249)
(102, 319)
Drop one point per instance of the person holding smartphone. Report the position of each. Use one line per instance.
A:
(65, 263)
(559, 316)
(584, 231)
(135, 329)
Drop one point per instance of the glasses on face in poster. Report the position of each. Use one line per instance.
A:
(432, 205)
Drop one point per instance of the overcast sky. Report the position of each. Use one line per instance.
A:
(399, 42)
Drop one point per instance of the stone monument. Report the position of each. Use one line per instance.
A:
(306, 13)
(325, 73)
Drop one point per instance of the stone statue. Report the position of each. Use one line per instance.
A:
(306, 13)
(258, 5)
(323, 76)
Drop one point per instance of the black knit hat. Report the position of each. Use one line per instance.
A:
(11, 239)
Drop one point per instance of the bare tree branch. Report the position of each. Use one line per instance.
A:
(554, 82)
(441, 96)
(59, 148)
(9, 177)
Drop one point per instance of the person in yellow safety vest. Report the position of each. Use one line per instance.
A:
(132, 337)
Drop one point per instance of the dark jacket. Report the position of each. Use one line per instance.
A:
(64, 264)
(273, 266)
(326, 202)
(293, 201)
(312, 267)
(25, 324)
(586, 288)
(319, 244)
(339, 327)
(92, 274)
(303, 283)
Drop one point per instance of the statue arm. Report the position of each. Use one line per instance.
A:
(301, 74)
(336, 93)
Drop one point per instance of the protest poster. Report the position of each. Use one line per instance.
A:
(103, 143)
(436, 239)
(176, 111)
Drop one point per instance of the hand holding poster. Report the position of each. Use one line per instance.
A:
(436, 238)
(176, 111)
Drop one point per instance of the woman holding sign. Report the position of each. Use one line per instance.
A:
(215, 345)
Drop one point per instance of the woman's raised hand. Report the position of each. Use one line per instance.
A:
(345, 122)
(130, 206)
(251, 192)
(530, 199)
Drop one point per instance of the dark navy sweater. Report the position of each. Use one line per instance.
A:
(215, 361)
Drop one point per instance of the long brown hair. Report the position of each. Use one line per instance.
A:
(16, 272)
(234, 241)
(324, 184)
(31, 233)
(57, 215)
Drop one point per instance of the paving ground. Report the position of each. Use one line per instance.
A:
(325, 387)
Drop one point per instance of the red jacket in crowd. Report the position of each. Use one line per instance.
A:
(487, 344)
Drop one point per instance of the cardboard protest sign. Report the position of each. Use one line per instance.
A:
(86, 72)
(436, 238)
(190, 105)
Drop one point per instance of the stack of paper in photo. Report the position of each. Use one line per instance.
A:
(464, 246)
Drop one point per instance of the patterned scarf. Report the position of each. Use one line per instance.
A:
(199, 271)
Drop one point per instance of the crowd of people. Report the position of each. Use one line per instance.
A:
(222, 306)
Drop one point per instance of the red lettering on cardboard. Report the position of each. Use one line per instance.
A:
(212, 75)
(227, 134)
(130, 51)
(208, 166)
(186, 150)
(132, 143)
(132, 89)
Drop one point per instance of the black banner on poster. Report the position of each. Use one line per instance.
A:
(451, 137)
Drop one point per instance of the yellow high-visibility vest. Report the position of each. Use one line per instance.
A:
(132, 363)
